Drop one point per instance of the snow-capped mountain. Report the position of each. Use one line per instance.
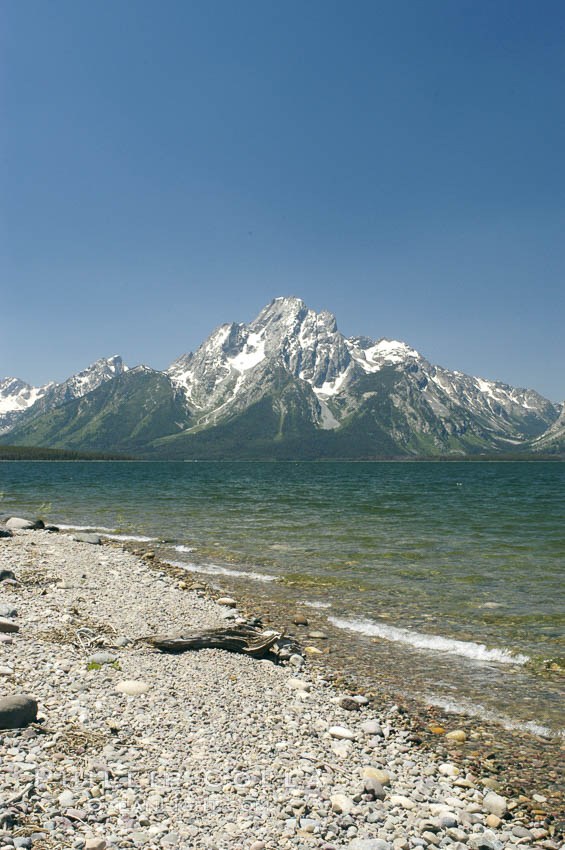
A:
(286, 385)
(20, 401)
(229, 364)
(15, 397)
(231, 370)
(305, 344)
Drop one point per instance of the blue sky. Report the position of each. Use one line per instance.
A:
(169, 166)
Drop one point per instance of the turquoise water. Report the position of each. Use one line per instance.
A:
(458, 561)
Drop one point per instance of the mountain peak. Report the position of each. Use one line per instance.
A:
(19, 400)
(90, 378)
(288, 316)
(113, 363)
(16, 396)
(282, 309)
(287, 301)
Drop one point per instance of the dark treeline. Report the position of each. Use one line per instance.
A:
(37, 453)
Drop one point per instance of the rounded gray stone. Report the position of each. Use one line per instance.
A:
(132, 687)
(341, 733)
(8, 576)
(17, 711)
(19, 522)
(372, 727)
(102, 658)
(371, 786)
(95, 844)
(522, 832)
(341, 804)
(66, 798)
(86, 537)
(495, 804)
(348, 703)
(479, 842)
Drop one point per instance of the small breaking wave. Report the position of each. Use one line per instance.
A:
(184, 548)
(110, 533)
(215, 570)
(435, 643)
(477, 710)
(318, 604)
(140, 538)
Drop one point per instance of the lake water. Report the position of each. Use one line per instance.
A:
(452, 574)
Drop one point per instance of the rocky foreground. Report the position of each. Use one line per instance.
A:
(136, 748)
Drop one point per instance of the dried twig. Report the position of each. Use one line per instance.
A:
(15, 799)
(19, 796)
(326, 764)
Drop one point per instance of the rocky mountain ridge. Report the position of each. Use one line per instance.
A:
(226, 371)
(18, 399)
(287, 384)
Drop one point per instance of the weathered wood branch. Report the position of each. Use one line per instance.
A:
(234, 639)
(6, 816)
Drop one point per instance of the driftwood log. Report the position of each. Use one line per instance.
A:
(235, 639)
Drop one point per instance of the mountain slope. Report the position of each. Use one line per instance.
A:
(122, 414)
(20, 402)
(278, 426)
(387, 418)
(552, 441)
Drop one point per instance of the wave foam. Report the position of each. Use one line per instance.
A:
(184, 548)
(138, 537)
(318, 604)
(435, 643)
(110, 533)
(477, 710)
(215, 570)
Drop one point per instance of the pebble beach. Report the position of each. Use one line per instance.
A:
(132, 747)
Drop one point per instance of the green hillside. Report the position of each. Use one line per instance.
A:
(122, 415)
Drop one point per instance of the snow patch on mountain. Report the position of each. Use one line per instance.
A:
(485, 387)
(390, 350)
(373, 356)
(252, 353)
(330, 388)
(16, 395)
(327, 420)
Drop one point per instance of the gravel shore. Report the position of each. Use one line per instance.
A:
(137, 748)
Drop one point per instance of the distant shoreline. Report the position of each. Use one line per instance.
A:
(467, 459)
